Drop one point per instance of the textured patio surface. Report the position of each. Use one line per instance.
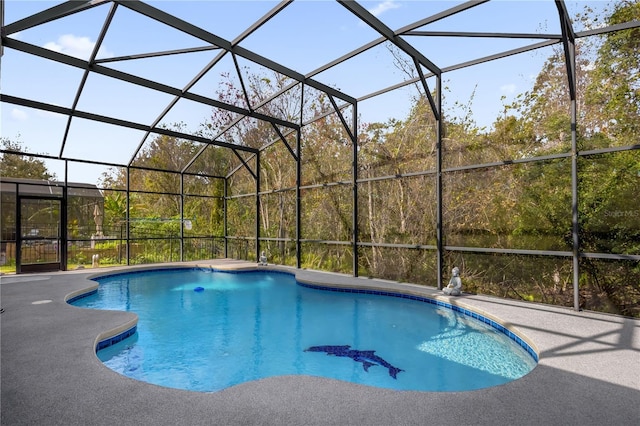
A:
(588, 374)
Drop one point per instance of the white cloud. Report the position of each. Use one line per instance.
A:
(48, 114)
(508, 88)
(19, 115)
(77, 46)
(383, 7)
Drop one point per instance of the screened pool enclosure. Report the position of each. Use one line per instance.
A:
(391, 139)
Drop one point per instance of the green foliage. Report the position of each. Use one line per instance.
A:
(609, 211)
(14, 164)
(115, 206)
(614, 87)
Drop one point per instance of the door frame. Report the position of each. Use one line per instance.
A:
(61, 263)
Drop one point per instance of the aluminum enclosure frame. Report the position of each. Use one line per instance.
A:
(339, 100)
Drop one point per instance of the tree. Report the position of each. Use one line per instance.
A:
(326, 154)
(608, 105)
(14, 163)
(395, 208)
(614, 89)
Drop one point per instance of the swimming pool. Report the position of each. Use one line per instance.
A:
(206, 330)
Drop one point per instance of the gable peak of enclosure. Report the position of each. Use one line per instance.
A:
(263, 106)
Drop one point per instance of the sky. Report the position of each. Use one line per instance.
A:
(304, 36)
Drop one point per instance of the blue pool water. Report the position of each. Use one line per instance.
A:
(204, 330)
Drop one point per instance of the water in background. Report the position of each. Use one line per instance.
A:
(239, 327)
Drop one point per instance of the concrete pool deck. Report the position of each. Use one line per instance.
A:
(588, 373)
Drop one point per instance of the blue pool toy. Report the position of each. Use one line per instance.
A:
(198, 289)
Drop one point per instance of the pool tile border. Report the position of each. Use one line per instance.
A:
(467, 312)
(104, 343)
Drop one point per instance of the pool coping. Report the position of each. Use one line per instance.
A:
(588, 372)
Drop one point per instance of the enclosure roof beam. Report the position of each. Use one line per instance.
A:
(236, 169)
(56, 12)
(438, 16)
(246, 165)
(284, 141)
(385, 31)
(611, 28)
(207, 68)
(260, 22)
(85, 74)
(156, 54)
(338, 112)
(482, 34)
(568, 41)
(459, 66)
(347, 56)
(501, 55)
(401, 31)
(197, 32)
(542, 44)
(117, 122)
(237, 40)
(129, 78)
(435, 108)
(551, 40)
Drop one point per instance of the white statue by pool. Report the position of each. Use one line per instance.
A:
(454, 288)
(263, 259)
